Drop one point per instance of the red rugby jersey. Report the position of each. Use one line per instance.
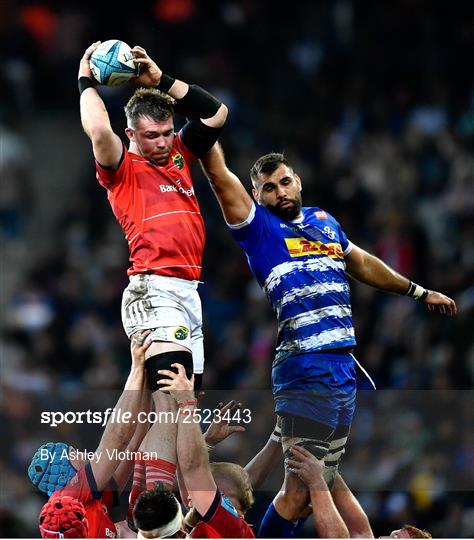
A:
(222, 521)
(96, 504)
(159, 213)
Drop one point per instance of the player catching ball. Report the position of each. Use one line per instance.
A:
(150, 190)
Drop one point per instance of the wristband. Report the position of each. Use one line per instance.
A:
(84, 83)
(188, 404)
(166, 82)
(416, 292)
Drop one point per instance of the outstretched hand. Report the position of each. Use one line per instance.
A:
(149, 72)
(307, 468)
(84, 65)
(220, 428)
(138, 346)
(177, 384)
(445, 305)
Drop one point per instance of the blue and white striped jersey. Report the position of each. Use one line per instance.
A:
(301, 268)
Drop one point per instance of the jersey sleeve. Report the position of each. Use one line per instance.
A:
(83, 486)
(225, 520)
(250, 233)
(346, 244)
(110, 495)
(108, 177)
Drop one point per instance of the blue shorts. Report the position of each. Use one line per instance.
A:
(318, 386)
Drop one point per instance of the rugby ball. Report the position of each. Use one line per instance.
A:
(112, 63)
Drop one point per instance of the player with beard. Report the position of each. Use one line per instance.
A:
(301, 258)
(150, 189)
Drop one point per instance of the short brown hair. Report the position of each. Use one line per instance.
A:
(414, 532)
(149, 102)
(268, 164)
(239, 481)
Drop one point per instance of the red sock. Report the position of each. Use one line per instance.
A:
(159, 470)
(138, 485)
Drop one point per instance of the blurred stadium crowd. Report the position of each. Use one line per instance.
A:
(374, 104)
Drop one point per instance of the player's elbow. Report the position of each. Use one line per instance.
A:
(99, 134)
(219, 119)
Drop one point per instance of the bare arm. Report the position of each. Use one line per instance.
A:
(233, 198)
(351, 511)
(106, 145)
(150, 77)
(118, 434)
(370, 270)
(261, 465)
(125, 469)
(193, 458)
(327, 519)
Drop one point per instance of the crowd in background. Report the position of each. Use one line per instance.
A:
(373, 104)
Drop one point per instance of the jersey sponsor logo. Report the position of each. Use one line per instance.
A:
(301, 247)
(181, 333)
(165, 188)
(178, 160)
(320, 214)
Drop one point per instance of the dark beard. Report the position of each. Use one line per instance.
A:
(286, 214)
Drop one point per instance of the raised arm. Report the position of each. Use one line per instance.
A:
(193, 457)
(118, 432)
(206, 113)
(233, 198)
(260, 466)
(370, 270)
(327, 519)
(106, 144)
(125, 468)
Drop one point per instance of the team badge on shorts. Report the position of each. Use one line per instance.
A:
(181, 333)
(178, 160)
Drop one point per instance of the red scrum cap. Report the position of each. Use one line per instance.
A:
(63, 517)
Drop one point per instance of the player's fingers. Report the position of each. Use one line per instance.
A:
(236, 429)
(146, 344)
(168, 382)
(227, 406)
(91, 49)
(180, 368)
(235, 407)
(139, 49)
(299, 450)
(142, 59)
(167, 373)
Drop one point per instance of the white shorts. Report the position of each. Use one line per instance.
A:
(169, 307)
